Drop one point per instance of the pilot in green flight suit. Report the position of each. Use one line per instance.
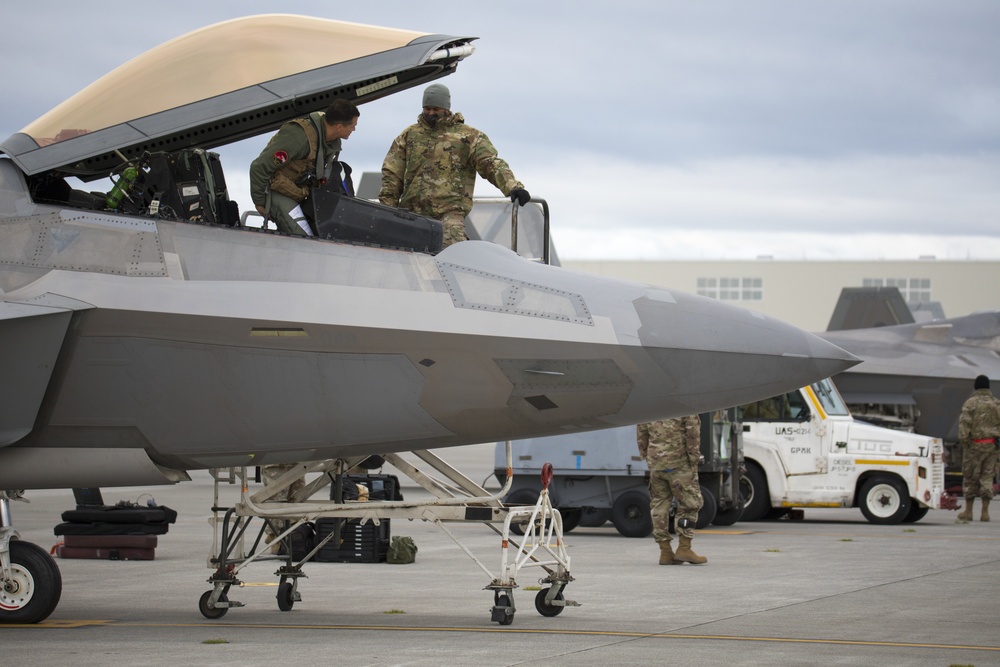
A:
(279, 183)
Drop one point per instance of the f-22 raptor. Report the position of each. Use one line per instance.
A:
(139, 341)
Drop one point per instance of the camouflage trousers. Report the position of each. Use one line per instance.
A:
(665, 486)
(268, 474)
(454, 228)
(979, 467)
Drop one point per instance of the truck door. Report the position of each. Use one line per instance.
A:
(789, 425)
(832, 419)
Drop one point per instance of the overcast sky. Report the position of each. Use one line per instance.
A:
(666, 129)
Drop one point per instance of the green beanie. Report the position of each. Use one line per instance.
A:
(436, 95)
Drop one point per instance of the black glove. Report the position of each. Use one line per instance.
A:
(520, 195)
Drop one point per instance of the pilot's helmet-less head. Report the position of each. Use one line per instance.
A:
(982, 382)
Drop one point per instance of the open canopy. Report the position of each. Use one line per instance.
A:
(226, 82)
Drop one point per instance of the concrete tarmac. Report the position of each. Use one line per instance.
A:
(830, 589)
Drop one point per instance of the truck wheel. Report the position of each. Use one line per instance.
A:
(595, 517)
(730, 516)
(916, 513)
(630, 514)
(884, 500)
(709, 507)
(570, 517)
(753, 489)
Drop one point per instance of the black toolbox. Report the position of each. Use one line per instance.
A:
(358, 543)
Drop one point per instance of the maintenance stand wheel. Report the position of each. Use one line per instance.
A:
(546, 609)
(214, 612)
(503, 609)
(286, 598)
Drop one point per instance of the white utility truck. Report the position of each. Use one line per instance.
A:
(803, 449)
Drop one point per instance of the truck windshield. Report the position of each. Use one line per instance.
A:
(830, 398)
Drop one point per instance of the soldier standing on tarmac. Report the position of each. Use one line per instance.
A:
(672, 448)
(431, 167)
(978, 433)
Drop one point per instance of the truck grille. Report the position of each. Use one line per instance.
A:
(937, 467)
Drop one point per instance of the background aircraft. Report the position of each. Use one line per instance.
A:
(140, 341)
(929, 366)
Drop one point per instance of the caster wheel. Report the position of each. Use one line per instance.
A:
(286, 599)
(214, 612)
(503, 612)
(546, 609)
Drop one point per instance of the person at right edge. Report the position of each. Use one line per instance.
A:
(672, 448)
(978, 430)
(431, 167)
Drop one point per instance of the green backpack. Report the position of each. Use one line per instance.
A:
(402, 550)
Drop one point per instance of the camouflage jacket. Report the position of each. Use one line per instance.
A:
(670, 444)
(980, 418)
(290, 153)
(432, 170)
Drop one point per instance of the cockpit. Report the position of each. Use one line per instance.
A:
(151, 124)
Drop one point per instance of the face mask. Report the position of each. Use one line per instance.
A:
(431, 120)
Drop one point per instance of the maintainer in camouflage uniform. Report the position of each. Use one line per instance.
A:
(431, 167)
(269, 473)
(672, 448)
(978, 430)
(277, 186)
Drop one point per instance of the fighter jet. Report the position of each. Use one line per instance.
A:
(930, 366)
(141, 341)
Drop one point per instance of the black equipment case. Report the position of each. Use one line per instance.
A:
(359, 543)
(125, 518)
(345, 218)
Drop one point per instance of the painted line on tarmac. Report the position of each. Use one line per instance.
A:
(537, 631)
(878, 536)
(55, 625)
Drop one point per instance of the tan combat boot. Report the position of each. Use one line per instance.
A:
(685, 555)
(985, 515)
(966, 514)
(666, 554)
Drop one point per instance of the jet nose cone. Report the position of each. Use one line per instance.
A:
(720, 355)
(828, 358)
